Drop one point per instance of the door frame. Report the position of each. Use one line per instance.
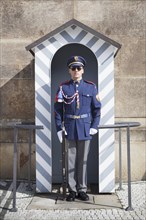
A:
(58, 66)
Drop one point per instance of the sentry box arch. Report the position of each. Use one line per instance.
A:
(43, 50)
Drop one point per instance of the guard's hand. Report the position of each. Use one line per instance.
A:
(93, 131)
(59, 133)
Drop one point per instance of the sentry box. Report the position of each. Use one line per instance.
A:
(51, 53)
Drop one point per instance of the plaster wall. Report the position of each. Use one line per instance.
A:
(22, 22)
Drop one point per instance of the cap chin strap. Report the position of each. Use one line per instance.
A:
(75, 63)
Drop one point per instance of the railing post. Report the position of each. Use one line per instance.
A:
(129, 208)
(14, 209)
(29, 161)
(120, 161)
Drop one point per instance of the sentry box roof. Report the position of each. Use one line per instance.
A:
(72, 26)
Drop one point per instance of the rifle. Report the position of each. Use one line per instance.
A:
(64, 163)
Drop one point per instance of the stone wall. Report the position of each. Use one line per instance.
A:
(24, 21)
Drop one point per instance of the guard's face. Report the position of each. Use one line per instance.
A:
(76, 72)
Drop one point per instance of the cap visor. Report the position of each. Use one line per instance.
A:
(76, 65)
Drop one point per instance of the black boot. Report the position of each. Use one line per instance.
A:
(71, 196)
(83, 196)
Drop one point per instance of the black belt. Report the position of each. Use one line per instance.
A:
(77, 116)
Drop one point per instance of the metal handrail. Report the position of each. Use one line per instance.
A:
(120, 125)
(31, 127)
(126, 125)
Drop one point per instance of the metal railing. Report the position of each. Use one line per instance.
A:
(16, 127)
(126, 125)
(31, 127)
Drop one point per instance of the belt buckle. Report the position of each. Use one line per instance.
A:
(76, 116)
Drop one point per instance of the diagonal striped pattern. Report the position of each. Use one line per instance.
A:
(106, 137)
(43, 116)
(44, 53)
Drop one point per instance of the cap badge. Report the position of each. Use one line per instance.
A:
(76, 58)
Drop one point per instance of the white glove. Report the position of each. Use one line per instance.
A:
(59, 133)
(93, 131)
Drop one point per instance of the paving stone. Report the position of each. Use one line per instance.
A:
(24, 198)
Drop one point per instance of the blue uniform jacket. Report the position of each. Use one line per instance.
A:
(66, 107)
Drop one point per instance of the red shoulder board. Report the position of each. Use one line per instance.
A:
(64, 83)
(89, 82)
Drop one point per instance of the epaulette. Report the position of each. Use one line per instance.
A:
(65, 83)
(89, 82)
